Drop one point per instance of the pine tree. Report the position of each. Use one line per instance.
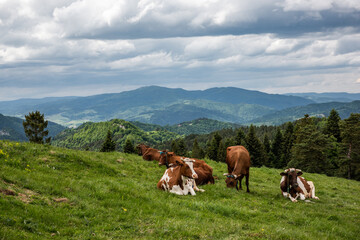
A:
(255, 148)
(197, 152)
(214, 146)
(288, 143)
(240, 136)
(267, 148)
(129, 146)
(309, 150)
(34, 127)
(221, 153)
(174, 147)
(351, 141)
(277, 150)
(266, 143)
(181, 147)
(109, 144)
(332, 127)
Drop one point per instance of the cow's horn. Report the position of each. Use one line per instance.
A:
(298, 170)
(226, 174)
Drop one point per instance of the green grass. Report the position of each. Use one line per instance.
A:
(110, 199)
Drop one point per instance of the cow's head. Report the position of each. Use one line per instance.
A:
(187, 168)
(231, 180)
(164, 157)
(141, 148)
(291, 175)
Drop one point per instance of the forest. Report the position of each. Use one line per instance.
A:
(329, 145)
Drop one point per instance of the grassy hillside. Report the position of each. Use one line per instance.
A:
(92, 135)
(49, 192)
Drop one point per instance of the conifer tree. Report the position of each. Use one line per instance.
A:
(288, 143)
(221, 153)
(214, 146)
(109, 144)
(174, 147)
(197, 152)
(332, 127)
(255, 148)
(240, 137)
(309, 150)
(266, 143)
(181, 147)
(129, 146)
(34, 127)
(267, 151)
(277, 150)
(351, 141)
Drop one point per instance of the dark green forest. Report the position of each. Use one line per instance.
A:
(329, 145)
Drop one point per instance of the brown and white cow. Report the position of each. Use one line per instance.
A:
(179, 178)
(238, 162)
(203, 170)
(293, 186)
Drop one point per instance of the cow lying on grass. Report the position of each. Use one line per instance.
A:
(179, 178)
(203, 170)
(293, 186)
(148, 153)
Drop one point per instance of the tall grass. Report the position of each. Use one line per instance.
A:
(114, 196)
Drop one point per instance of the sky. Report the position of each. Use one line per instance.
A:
(88, 47)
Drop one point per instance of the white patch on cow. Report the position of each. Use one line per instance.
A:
(166, 177)
(177, 190)
(312, 190)
(188, 184)
(282, 180)
(302, 187)
(191, 166)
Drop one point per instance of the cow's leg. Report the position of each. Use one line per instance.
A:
(240, 180)
(312, 190)
(196, 187)
(247, 182)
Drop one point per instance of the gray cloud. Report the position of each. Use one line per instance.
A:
(87, 47)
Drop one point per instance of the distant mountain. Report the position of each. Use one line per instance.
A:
(328, 97)
(318, 110)
(11, 128)
(157, 105)
(197, 126)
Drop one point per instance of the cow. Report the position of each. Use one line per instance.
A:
(203, 170)
(293, 186)
(141, 148)
(148, 153)
(238, 162)
(179, 178)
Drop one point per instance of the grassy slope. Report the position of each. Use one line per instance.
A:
(110, 200)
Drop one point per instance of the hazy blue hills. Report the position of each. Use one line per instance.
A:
(11, 128)
(158, 105)
(328, 97)
(318, 110)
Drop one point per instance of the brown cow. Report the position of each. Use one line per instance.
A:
(203, 170)
(293, 186)
(238, 162)
(148, 153)
(141, 148)
(178, 178)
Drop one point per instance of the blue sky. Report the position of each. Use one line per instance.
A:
(80, 48)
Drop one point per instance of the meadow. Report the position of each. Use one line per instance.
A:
(48, 192)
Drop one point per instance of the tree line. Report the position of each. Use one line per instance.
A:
(319, 145)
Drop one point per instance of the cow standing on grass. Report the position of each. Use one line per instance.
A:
(238, 162)
(179, 178)
(293, 186)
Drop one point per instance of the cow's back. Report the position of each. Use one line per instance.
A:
(151, 154)
(238, 157)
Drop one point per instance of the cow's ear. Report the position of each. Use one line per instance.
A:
(180, 163)
(283, 174)
(299, 173)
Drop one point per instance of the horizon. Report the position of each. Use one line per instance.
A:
(87, 47)
(51, 97)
